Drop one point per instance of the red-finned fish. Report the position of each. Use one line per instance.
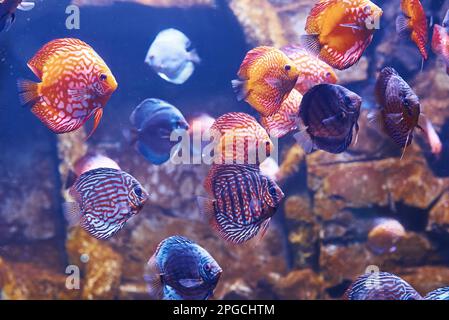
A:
(329, 114)
(412, 24)
(399, 108)
(436, 146)
(180, 269)
(381, 286)
(241, 201)
(241, 139)
(285, 120)
(312, 71)
(266, 77)
(440, 44)
(75, 85)
(338, 32)
(105, 200)
(8, 11)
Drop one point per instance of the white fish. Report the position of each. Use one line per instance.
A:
(171, 57)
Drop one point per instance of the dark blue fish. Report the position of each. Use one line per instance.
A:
(8, 11)
(182, 270)
(154, 121)
(329, 115)
(381, 286)
(438, 294)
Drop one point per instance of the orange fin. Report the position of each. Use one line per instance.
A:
(97, 117)
(28, 91)
(316, 15)
(249, 59)
(36, 63)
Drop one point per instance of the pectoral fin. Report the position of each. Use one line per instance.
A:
(191, 283)
(97, 117)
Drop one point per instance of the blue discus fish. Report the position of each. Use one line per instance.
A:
(8, 11)
(171, 56)
(182, 270)
(154, 121)
(438, 294)
(381, 286)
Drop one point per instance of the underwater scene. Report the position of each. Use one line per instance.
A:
(224, 149)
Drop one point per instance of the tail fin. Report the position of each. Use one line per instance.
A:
(72, 213)
(27, 91)
(311, 43)
(239, 87)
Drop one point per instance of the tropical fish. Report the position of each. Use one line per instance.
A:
(412, 24)
(329, 115)
(105, 199)
(438, 294)
(199, 127)
(312, 71)
(285, 120)
(172, 57)
(440, 43)
(180, 269)
(89, 161)
(399, 108)
(240, 139)
(384, 236)
(340, 31)
(241, 201)
(8, 11)
(154, 121)
(266, 77)
(436, 146)
(381, 286)
(75, 85)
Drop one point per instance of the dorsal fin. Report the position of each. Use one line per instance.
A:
(249, 59)
(315, 18)
(36, 63)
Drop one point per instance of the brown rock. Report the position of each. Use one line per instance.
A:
(298, 285)
(426, 278)
(439, 215)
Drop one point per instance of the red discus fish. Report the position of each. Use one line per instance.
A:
(242, 201)
(412, 23)
(440, 44)
(312, 71)
(241, 139)
(285, 120)
(75, 85)
(266, 77)
(340, 31)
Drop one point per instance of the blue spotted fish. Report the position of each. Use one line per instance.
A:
(381, 286)
(242, 201)
(180, 269)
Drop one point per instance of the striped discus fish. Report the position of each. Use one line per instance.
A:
(438, 294)
(312, 71)
(75, 85)
(105, 199)
(399, 107)
(381, 286)
(329, 114)
(266, 77)
(285, 120)
(180, 269)
(241, 139)
(242, 201)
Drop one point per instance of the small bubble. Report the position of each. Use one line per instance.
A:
(84, 258)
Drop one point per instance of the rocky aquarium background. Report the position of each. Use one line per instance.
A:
(317, 243)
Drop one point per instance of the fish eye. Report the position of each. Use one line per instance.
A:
(288, 67)
(328, 75)
(138, 191)
(103, 77)
(207, 267)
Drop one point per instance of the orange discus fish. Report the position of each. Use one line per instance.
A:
(340, 31)
(267, 76)
(285, 120)
(241, 139)
(412, 23)
(312, 71)
(75, 85)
